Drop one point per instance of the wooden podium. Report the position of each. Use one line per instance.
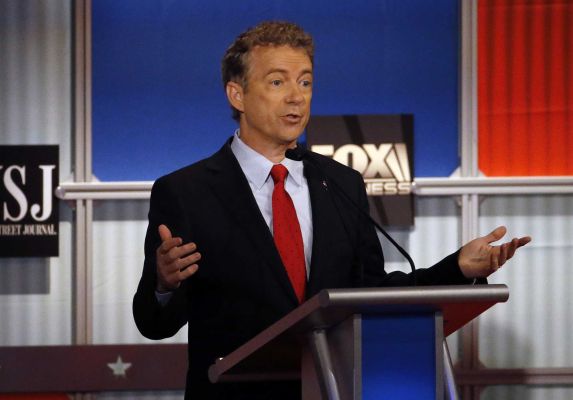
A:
(363, 344)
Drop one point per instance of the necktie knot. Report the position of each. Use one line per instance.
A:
(279, 173)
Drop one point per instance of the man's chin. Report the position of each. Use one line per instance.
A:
(290, 140)
(292, 133)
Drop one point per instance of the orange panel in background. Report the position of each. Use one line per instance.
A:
(525, 87)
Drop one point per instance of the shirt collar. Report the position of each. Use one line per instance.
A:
(257, 168)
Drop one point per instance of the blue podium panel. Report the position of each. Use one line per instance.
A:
(399, 357)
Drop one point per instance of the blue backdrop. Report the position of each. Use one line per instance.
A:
(158, 100)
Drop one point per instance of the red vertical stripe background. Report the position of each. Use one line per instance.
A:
(525, 89)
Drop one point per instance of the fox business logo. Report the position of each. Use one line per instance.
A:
(384, 167)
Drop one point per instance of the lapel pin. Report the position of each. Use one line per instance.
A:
(324, 184)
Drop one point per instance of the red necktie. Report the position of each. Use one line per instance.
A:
(287, 234)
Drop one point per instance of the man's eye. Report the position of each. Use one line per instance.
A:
(276, 82)
(306, 83)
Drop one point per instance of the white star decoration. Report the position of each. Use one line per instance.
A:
(119, 367)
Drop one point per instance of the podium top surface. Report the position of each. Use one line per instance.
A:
(458, 305)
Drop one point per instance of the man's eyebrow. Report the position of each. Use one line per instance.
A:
(284, 71)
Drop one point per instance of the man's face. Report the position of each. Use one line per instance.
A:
(276, 101)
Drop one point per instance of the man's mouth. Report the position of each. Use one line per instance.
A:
(292, 117)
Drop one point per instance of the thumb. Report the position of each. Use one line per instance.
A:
(164, 232)
(496, 234)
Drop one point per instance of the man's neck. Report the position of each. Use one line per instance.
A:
(274, 152)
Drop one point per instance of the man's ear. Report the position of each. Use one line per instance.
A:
(235, 95)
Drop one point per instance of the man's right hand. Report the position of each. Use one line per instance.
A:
(175, 261)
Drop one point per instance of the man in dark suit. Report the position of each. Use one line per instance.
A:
(267, 231)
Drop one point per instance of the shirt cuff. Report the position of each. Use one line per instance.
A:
(163, 298)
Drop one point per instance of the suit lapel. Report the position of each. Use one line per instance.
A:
(231, 186)
(322, 210)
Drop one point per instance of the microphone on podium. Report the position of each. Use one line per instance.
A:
(301, 154)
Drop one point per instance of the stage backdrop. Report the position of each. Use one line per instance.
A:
(158, 100)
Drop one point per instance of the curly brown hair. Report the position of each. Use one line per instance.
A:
(267, 33)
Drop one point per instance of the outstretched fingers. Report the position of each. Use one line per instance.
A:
(180, 251)
(494, 258)
(500, 255)
(507, 250)
(496, 234)
(175, 261)
(187, 261)
(187, 272)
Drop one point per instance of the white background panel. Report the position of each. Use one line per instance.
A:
(35, 108)
(35, 75)
(118, 235)
(533, 328)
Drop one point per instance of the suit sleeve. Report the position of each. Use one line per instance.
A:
(153, 320)
(445, 272)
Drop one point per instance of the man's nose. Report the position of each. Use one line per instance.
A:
(294, 94)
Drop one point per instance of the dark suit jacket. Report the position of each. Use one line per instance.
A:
(241, 286)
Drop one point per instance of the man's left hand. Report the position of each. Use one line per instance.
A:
(479, 259)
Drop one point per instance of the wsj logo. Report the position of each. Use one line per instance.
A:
(29, 211)
(14, 173)
(385, 167)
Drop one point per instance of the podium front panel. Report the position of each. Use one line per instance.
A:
(399, 357)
